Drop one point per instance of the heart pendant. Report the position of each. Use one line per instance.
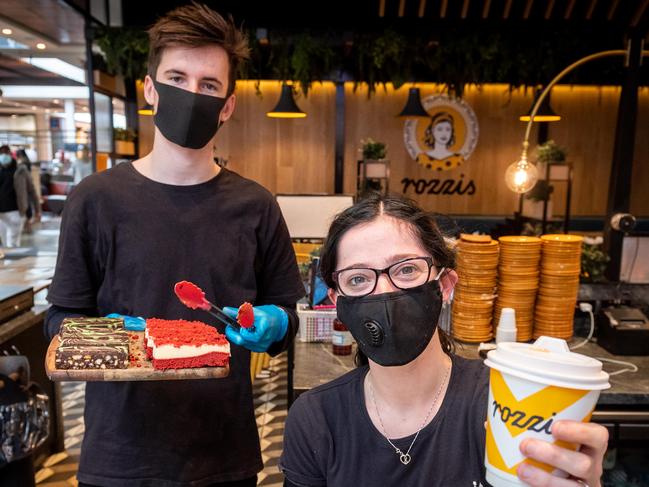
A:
(405, 458)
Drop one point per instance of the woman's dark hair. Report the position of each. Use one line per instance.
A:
(369, 208)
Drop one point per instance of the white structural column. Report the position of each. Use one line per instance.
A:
(69, 128)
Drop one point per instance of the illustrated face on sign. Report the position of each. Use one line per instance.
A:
(442, 133)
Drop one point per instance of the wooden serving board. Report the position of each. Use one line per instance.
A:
(139, 367)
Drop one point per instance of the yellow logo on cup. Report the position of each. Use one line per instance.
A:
(521, 409)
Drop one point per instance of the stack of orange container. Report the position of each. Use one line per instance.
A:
(559, 287)
(518, 281)
(477, 262)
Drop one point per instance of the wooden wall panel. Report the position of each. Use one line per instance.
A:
(587, 131)
(297, 156)
(285, 155)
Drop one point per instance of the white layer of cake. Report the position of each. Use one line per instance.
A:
(168, 351)
(147, 339)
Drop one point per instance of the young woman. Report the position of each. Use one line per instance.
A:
(414, 413)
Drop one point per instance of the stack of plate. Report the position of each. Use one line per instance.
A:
(555, 303)
(477, 262)
(518, 281)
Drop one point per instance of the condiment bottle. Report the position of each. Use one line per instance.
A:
(341, 338)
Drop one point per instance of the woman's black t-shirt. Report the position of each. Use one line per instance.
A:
(331, 441)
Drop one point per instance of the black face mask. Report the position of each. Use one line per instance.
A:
(187, 119)
(393, 328)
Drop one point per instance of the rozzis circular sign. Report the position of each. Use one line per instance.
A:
(447, 138)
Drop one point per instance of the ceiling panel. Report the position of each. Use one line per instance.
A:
(52, 19)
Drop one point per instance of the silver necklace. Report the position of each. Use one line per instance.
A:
(405, 457)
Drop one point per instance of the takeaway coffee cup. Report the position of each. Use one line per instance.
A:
(530, 387)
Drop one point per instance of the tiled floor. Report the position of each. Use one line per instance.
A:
(269, 391)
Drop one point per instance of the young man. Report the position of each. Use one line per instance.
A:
(130, 233)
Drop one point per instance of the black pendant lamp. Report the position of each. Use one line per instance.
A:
(413, 106)
(544, 113)
(146, 110)
(286, 106)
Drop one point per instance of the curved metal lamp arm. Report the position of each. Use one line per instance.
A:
(555, 80)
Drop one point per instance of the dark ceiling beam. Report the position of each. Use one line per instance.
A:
(381, 8)
(442, 9)
(38, 81)
(591, 9)
(569, 9)
(612, 9)
(465, 9)
(422, 8)
(528, 9)
(548, 10)
(20, 74)
(639, 13)
(508, 8)
(485, 9)
(402, 7)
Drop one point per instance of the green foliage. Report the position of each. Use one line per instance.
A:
(451, 57)
(551, 153)
(373, 150)
(311, 60)
(125, 51)
(127, 135)
(593, 263)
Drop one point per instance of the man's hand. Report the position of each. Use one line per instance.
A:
(584, 466)
(271, 324)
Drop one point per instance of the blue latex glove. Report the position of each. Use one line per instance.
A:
(271, 324)
(131, 323)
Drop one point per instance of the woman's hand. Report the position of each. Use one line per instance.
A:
(584, 466)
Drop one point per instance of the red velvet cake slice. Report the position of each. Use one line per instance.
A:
(179, 344)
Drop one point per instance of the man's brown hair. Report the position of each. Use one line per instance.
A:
(197, 25)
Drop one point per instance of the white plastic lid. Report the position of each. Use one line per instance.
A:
(549, 361)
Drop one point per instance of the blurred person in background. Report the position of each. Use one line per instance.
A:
(16, 194)
(33, 212)
(82, 165)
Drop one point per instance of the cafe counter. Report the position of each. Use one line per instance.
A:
(624, 408)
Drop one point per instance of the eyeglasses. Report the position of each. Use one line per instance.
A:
(405, 274)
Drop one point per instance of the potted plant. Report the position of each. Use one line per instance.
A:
(373, 150)
(124, 141)
(548, 153)
(374, 167)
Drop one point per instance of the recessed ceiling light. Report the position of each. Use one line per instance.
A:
(40, 46)
(7, 32)
(33, 107)
(56, 101)
(85, 109)
(14, 116)
(47, 110)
